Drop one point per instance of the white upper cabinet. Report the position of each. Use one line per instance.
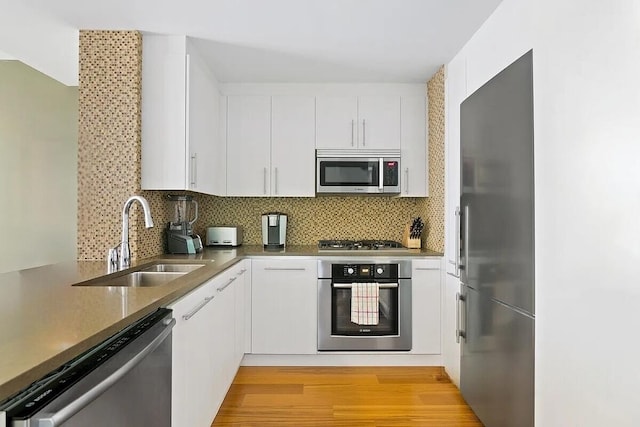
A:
(362, 122)
(292, 146)
(414, 160)
(379, 122)
(248, 145)
(270, 146)
(180, 117)
(336, 122)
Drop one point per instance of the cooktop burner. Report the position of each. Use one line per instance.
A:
(361, 245)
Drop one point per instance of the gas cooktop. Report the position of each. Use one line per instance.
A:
(359, 245)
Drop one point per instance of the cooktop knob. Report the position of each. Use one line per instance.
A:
(380, 270)
(350, 270)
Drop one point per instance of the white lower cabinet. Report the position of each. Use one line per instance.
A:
(450, 345)
(204, 357)
(284, 308)
(426, 301)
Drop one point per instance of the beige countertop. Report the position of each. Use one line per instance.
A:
(44, 321)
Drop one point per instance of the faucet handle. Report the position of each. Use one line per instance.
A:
(112, 260)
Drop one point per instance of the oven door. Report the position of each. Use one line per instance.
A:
(336, 332)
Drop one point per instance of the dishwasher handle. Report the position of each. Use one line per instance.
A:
(65, 413)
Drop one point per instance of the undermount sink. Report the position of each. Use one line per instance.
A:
(173, 268)
(154, 275)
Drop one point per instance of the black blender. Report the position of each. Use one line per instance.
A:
(180, 236)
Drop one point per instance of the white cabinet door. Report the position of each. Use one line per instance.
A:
(414, 160)
(425, 311)
(222, 328)
(203, 103)
(284, 311)
(164, 150)
(192, 358)
(379, 122)
(180, 117)
(242, 275)
(450, 346)
(248, 145)
(336, 118)
(292, 146)
(455, 92)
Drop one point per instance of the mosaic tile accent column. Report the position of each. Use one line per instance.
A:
(109, 146)
(435, 202)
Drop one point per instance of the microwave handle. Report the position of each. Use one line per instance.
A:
(381, 179)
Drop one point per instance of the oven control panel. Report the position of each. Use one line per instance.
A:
(364, 271)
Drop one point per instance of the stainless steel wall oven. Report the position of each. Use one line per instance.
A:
(388, 328)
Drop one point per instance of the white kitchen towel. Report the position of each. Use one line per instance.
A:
(364, 303)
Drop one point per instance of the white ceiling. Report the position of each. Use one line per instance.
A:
(298, 40)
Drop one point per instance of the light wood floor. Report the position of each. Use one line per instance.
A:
(344, 396)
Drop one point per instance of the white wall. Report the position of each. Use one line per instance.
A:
(587, 151)
(38, 168)
(587, 118)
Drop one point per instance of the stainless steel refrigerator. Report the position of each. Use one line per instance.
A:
(497, 248)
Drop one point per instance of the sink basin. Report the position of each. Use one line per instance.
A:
(154, 275)
(174, 268)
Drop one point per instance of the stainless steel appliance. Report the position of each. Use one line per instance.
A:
(359, 245)
(180, 236)
(124, 381)
(358, 171)
(497, 248)
(274, 229)
(337, 331)
(224, 236)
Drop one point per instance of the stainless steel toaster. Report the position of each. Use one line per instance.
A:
(224, 236)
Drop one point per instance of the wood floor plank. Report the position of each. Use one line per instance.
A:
(344, 397)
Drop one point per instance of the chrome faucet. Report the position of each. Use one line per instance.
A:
(122, 260)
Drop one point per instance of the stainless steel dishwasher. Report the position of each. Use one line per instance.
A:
(124, 381)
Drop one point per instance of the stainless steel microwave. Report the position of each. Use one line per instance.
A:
(358, 171)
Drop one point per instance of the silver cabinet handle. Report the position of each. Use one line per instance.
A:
(194, 163)
(264, 180)
(222, 288)
(363, 134)
(285, 269)
(349, 285)
(275, 175)
(192, 313)
(406, 179)
(381, 167)
(460, 299)
(65, 413)
(241, 272)
(426, 268)
(353, 126)
(457, 245)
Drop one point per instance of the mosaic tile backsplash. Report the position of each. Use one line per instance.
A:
(312, 219)
(109, 151)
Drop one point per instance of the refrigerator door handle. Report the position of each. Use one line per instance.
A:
(460, 333)
(465, 242)
(457, 245)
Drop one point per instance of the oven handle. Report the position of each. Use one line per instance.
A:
(64, 414)
(349, 285)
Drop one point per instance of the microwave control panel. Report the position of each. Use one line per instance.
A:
(390, 173)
